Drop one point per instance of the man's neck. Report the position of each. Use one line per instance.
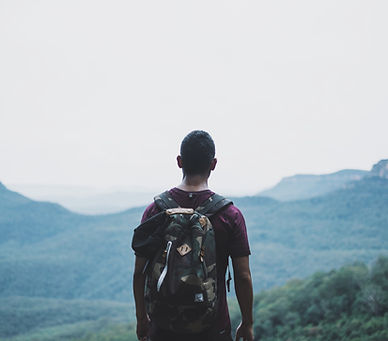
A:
(194, 183)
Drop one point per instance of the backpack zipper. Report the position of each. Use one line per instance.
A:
(164, 272)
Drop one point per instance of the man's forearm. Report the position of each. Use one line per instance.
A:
(138, 292)
(244, 293)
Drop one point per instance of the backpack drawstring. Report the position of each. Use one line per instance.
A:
(164, 272)
(229, 277)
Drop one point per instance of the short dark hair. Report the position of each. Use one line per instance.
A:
(197, 152)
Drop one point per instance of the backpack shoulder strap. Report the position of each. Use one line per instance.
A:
(212, 205)
(165, 201)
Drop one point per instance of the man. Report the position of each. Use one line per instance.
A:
(197, 160)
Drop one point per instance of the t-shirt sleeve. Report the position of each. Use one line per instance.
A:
(150, 211)
(238, 245)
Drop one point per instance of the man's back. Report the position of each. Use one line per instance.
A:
(231, 240)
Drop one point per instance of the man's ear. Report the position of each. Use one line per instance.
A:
(213, 164)
(179, 161)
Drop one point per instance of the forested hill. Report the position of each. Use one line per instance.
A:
(348, 304)
(296, 238)
(304, 186)
(26, 221)
(48, 253)
(83, 253)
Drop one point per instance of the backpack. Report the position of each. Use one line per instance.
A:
(181, 276)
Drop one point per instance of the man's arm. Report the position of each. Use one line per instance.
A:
(138, 292)
(244, 293)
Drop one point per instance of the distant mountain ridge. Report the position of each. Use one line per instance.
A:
(305, 186)
(88, 200)
(9, 198)
(25, 220)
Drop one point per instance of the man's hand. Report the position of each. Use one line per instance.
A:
(244, 293)
(142, 327)
(143, 321)
(244, 332)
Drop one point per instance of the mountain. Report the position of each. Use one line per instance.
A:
(62, 273)
(380, 169)
(304, 186)
(295, 238)
(89, 257)
(50, 253)
(9, 198)
(25, 220)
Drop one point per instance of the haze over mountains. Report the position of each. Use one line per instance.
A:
(79, 266)
(89, 200)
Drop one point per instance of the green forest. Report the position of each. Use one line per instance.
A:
(350, 303)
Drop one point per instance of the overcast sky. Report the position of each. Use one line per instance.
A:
(101, 93)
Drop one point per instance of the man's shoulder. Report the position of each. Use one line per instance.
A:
(150, 211)
(231, 211)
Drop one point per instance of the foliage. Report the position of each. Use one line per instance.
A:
(113, 333)
(345, 304)
(24, 318)
(350, 303)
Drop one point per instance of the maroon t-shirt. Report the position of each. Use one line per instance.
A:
(231, 240)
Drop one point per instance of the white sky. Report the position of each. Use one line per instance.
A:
(101, 93)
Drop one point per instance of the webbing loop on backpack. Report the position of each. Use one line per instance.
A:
(212, 205)
(179, 210)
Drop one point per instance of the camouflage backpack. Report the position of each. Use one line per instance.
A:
(181, 281)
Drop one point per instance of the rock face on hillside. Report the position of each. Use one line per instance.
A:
(304, 186)
(380, 169)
